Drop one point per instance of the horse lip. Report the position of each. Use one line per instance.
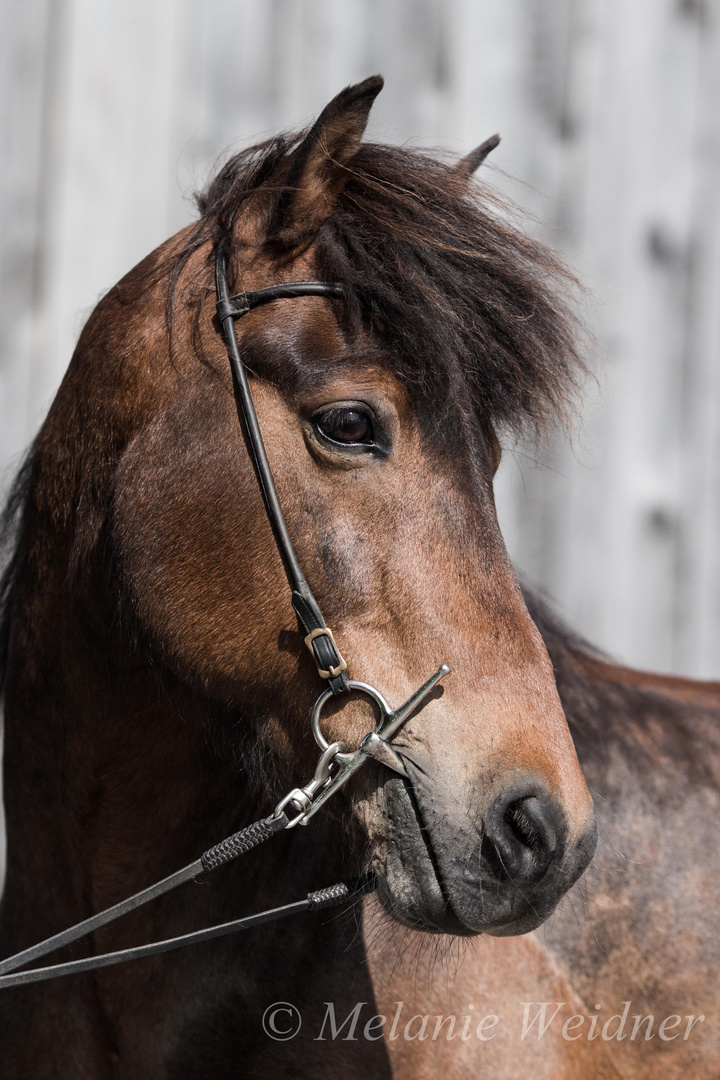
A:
(423, 920)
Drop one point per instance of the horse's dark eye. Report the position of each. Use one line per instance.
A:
(349, 426)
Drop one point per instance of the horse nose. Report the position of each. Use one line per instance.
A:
(523, 834)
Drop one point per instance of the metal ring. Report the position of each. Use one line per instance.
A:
(364, 688)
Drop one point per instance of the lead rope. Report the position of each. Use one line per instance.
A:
(314, 901)
(227, 850)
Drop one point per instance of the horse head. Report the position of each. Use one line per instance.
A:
(379, 412)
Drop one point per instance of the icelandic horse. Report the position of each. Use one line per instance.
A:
(157, 690)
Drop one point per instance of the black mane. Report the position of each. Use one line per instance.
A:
(9, 552)
(470, 308)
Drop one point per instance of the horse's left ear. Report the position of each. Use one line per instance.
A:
(472, 161)
(318, 171)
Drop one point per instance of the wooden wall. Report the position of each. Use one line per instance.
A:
(114, 110)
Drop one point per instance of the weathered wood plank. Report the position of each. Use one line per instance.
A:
(23, 78)
(608, 116)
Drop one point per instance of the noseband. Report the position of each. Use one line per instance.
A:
(335, 765)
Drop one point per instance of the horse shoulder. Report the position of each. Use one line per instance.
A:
(641, 926)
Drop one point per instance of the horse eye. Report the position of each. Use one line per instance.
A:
(348, 426)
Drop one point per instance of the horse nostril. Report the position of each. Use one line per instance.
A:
(521, 836)
(521, 816)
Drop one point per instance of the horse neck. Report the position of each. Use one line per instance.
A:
(111, 779)
(111, 784)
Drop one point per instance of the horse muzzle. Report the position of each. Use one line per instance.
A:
(502, 872)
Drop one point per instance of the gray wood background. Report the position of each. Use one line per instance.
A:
(113, 111)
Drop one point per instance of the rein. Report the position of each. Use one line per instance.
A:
(335, 765)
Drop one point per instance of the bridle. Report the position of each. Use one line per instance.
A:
(335, 765)
(318, 637)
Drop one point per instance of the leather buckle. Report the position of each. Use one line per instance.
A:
(331, 672)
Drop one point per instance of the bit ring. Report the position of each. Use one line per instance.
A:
(363, 688)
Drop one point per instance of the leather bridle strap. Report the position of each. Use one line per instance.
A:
(318, 637)
(314, 901)
(239, 843)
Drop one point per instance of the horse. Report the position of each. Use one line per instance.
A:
(157, 687)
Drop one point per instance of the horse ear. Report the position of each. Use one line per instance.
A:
(317, 171)
(472, 161)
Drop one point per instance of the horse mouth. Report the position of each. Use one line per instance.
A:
(410, 882)
(438, 875)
